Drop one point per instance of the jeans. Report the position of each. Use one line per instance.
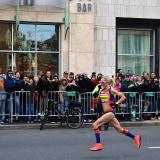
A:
(30, 109)
(63, 105)
(2, 109)
(17, 104)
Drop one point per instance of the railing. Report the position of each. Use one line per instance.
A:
(24, 105)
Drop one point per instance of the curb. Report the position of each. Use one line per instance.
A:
(85, 125)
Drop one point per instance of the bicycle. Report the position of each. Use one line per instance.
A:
(73, 116)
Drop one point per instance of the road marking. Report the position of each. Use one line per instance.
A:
(153, 147)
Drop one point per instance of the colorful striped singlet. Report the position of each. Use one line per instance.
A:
(104, 97)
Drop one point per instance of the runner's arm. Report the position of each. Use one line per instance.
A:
(119, 94)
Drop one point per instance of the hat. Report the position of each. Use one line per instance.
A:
(71, 73)
(65, 72)
(10, 72)
(55, 76)
(127, 75)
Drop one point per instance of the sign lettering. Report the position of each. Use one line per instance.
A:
(84, 7)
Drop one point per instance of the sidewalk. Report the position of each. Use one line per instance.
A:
(88, 125)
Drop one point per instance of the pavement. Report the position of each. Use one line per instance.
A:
(73, 144)
(85, 125)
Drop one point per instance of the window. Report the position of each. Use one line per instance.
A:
(47, 38)
(34, 48)
(25, 39)
(5, 36)
(47, 61)
(135, 53)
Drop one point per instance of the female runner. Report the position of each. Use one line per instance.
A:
(105, 96)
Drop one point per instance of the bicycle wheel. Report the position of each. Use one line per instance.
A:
(46, 115)
(74, 118)
(43, 120)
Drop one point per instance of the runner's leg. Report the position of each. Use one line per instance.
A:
(117, 126)
(99, 122)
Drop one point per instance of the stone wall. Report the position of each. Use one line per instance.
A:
(32, 13)
(81, 44)
(106, 12)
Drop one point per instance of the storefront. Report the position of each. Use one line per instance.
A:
(35, 47)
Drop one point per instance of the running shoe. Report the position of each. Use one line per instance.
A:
(96, 147)
(137, 140)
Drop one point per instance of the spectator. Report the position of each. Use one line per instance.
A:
(49, 75)
(99, 76)
(42, 88)
(9, 85)
(153, 83)
(35, 95)
(1, 72)
(63, 99)
(85, 83)
(118, 85)
(2, 100)
(36, 79)
(72, 87)
(30, 86)
(9, 82)
(54, 84)
(19, 86)
(153, 87)
(41, 73)
(26, 79)
(146, 75)
(71, 79)
(53, 88)
(65, 75)
(19, 83)
(127, 84)
(141, 85)
(77, 78)
(43, 85)
(94, 80)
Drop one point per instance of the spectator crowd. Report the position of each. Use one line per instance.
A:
(81, 83)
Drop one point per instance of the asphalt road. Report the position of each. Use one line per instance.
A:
(69, 144)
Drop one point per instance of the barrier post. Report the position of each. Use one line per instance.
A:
(11, 109)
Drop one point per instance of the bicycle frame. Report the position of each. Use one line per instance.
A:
(73, 117)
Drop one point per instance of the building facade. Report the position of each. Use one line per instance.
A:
(103, 36)
(127, 35)
(35, 46)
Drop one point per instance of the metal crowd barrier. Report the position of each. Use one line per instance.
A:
(150, 105)
(130, 108)
(24, 105)
(6, 107)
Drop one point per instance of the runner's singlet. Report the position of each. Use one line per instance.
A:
(104, 97)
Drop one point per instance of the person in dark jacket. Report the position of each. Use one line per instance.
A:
(127, 84)
(85, 83)
(9, 82)
(19, 86)
(43, 88)
(153, 87)
(54, 88)
(9, 85)
(153, 83)
(30, 108)
(54, 84)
